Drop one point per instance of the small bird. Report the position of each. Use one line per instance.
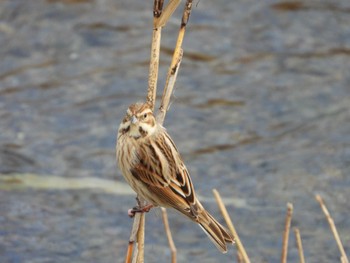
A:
(153, 167)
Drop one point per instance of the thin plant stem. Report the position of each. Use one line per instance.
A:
(160, 19)
(169, 235)
(141, 239)
(175, 63)
(299, 245)
(133, 238)
(343, 256)
(286, 232)
(230, 225)
(171, 78)
(155, 51)
(239, 257)
(128, 257)
(167, 13)
(139, 221)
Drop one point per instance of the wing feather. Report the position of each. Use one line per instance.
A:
(161, 169)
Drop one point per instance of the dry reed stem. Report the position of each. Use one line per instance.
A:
(343, 256)
(139, 221)
(153, 67)
(239, 257)
(160, 18)
(169, 86)
(133, 238)
(155, 50)
(229, 223)
(129, 252)
(286, 233)
(167, 13)
(299, 245)
(169, 235)
(141, 239)
(175, 63)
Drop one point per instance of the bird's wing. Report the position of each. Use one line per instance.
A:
(162, 170)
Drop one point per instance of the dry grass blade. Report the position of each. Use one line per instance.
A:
(299, 245)
(229, 223)
(169, 235)
(343, 256)
(286, 233)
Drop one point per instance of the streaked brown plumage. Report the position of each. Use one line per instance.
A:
(152, 165)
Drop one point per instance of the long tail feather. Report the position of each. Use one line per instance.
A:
(216, 232)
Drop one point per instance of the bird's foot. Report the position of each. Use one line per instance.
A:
(137, 209)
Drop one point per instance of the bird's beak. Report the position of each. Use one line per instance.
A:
(134, 120)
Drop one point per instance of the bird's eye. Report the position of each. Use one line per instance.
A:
(145, 115)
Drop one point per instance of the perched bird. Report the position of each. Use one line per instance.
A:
(153, 167)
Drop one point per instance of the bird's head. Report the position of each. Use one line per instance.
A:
(138, 122)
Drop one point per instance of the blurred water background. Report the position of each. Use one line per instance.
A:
(260, 112)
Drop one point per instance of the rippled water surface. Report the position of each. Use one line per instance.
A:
(261, 112)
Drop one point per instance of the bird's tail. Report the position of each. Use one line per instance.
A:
(215, 231)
